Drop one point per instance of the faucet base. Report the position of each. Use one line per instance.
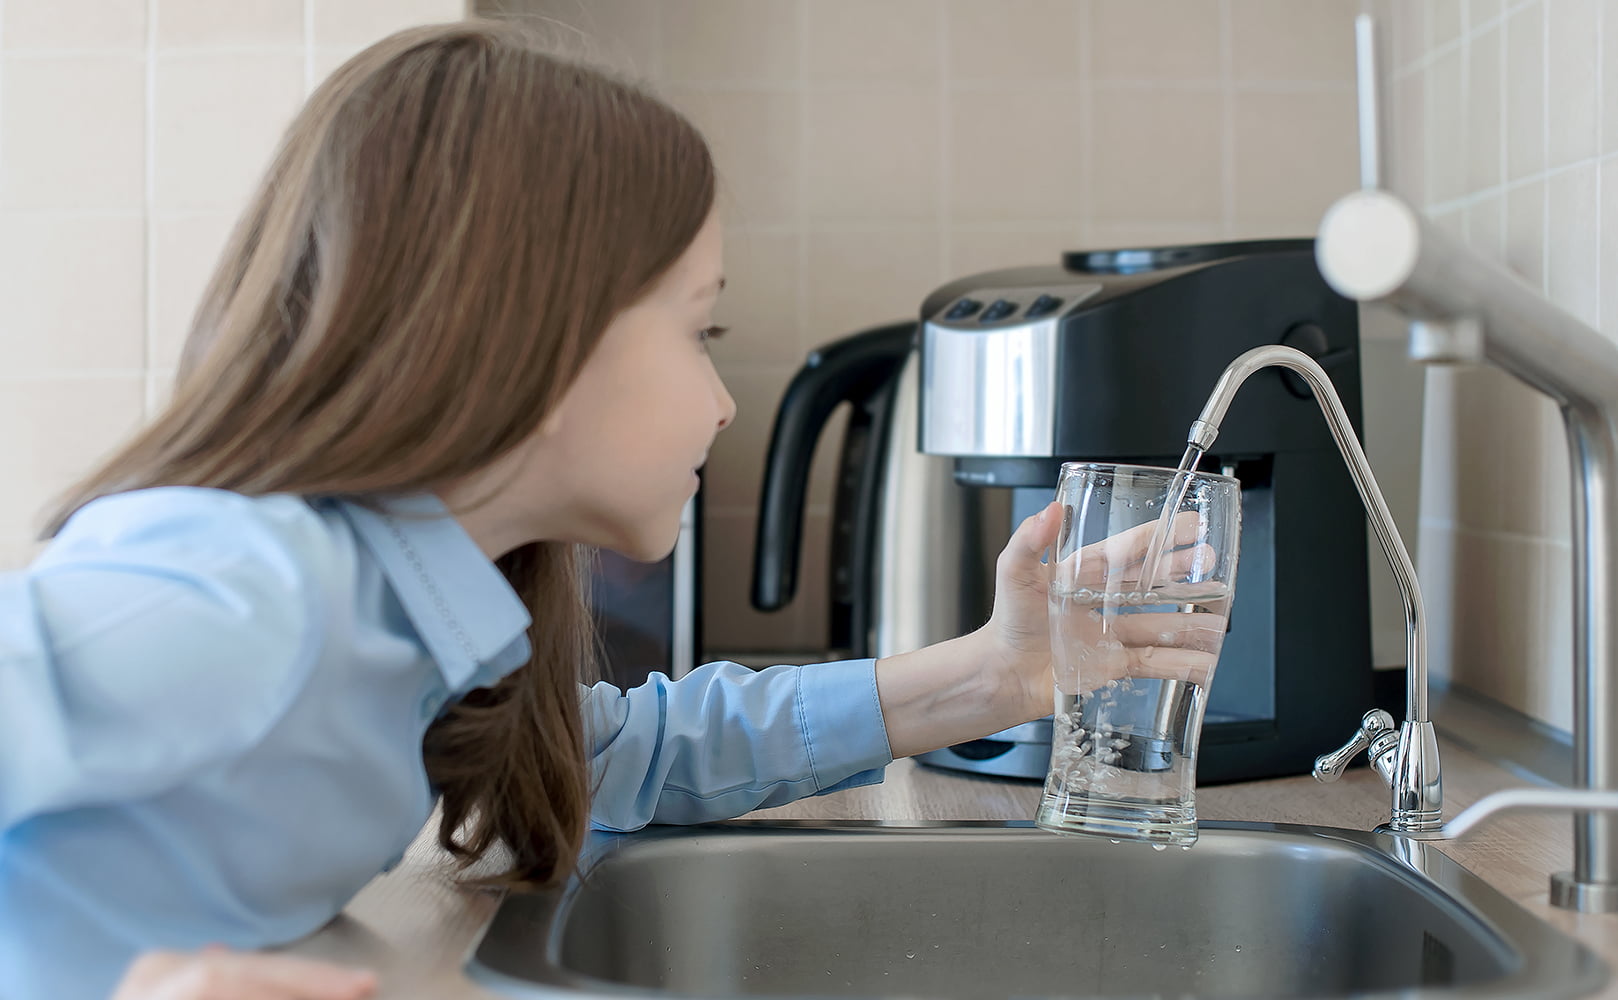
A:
(1586, 897)
(1412, 834)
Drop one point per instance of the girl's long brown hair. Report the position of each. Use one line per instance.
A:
(445, 230)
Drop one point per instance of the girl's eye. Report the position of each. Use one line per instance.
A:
(711, 333)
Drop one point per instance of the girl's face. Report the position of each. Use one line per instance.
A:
(614, 464)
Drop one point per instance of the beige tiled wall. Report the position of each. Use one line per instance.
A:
(131, 132)
(872, 149)
(1507, 125)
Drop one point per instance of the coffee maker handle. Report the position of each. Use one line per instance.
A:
(846, 370)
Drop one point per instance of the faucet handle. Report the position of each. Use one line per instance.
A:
(1376, 722)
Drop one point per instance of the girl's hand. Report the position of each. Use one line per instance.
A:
(1018, 636)
(219, 974)
(1000, 675)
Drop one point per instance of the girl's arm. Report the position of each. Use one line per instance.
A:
(726, 739)
(992, 679)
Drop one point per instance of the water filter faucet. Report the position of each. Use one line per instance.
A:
(1406, 757)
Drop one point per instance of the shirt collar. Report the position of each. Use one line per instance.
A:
(459, 602)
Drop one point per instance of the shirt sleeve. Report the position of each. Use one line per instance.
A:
(726, 739)
(160, 631)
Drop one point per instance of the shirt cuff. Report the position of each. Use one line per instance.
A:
(841, 718)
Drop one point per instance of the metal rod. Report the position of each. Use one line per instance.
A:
(1577, 799)
(1370, 108)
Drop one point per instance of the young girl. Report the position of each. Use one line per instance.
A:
(457, 341)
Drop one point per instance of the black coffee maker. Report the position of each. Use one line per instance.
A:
(1109, 357)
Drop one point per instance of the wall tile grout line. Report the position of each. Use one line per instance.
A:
(1087, 127)
(1545, 146)
(988, 85)
(162, 50)
(796, 619)
(5, 57)
(1423, 67)
(74, 375)
(1464, 147)
(1601, 54)
(1456, 527)
(92, 214)
(659, 24)
(946, 135)
(148, 224)
(1227, 111)
(803, 336)
(1505, 136)
(1483, 194)
(308, 48)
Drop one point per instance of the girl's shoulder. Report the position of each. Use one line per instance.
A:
(199, 524)
(162, 632)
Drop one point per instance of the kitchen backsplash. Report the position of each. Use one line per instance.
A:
(872, 149)
(1507, 134)
(131, 132)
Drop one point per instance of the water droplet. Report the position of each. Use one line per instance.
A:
(1111, 841)
(1160, 847)
(1185, 847)
(1238, 947)
(910, 954)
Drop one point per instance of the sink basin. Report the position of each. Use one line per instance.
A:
(870, 909)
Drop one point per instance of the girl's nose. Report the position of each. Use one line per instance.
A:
(727, 404)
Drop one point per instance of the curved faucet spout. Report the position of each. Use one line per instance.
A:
(1414, 774)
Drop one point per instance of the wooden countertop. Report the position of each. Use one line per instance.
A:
(414, 925)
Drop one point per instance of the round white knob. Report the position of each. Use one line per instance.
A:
(1368, 245)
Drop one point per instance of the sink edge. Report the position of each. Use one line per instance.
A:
(1538, 947)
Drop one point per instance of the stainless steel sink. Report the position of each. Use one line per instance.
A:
(759, 908)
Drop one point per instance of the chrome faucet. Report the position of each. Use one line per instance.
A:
(1406, 757)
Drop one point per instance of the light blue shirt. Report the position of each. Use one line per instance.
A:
(212, 706)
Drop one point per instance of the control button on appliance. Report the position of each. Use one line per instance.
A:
(999, 309)
(1042, 305)
(963, 309)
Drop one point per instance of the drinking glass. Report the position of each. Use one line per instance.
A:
(1134, 657)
